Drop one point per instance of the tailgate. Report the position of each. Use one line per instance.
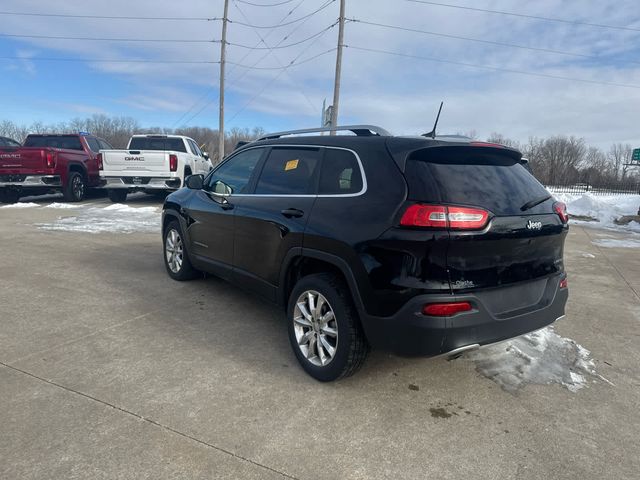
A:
(135, 161)
(524, 237)
(23, 160)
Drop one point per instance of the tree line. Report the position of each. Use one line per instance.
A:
(118, 130)
(557, 160)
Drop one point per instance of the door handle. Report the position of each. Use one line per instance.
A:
(292, 213)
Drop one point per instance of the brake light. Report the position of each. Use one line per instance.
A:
(486, 144)
(173, 163)
(564, 283)
(99, 161)
(446, 309)
(561, 209)
(440, 216)
(51, 160)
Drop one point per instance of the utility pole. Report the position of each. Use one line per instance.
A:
(223, 51)
(336, 85)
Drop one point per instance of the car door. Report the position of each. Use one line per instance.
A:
(198, 159)
(271, 220)
(211, 211)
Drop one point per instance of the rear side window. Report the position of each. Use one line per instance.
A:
(93, 144)
(104, 145)
(340, 173)
(157, 143)
(234, 174)
(463, 176)
(289, 171)
(54, 141)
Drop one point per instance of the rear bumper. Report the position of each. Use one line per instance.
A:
(140, 183)
(30, 181)
(411, 333)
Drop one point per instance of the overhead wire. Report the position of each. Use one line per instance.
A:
(265, 5)
(110, 17)
(523, 15)
(478, 40)
(233, 67)
(498, 69)
(102, 60)
(109, 39)
(270, 27)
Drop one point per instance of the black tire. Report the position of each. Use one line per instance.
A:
(185, 270)
(75, 188)
(9, 196)
(351, 347)
(117, 196)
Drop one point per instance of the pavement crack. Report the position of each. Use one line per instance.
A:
(149, 420)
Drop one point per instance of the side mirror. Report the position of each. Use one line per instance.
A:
(205, 155)
(195, 182)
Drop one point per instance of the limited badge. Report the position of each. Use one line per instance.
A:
(291, 165)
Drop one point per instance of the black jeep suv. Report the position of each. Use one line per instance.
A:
(420, 246)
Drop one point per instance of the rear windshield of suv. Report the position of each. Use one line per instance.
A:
(465, 176)
(70, 142)
(157, 143)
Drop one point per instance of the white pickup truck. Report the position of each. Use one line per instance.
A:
(150, 163)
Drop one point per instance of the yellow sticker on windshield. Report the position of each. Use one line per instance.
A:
(291, 165)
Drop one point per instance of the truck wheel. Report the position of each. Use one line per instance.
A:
(75, 189)
(117, 196)
(324, 329)
(9, 196)
(176, 259)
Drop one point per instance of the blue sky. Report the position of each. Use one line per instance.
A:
(397, 92)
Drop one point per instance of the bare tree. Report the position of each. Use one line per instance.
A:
(618, 155)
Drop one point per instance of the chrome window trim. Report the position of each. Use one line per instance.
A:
(333, 195)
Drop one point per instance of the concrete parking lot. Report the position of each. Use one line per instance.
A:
(109, 369)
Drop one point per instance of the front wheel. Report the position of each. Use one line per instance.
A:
(176, 259)
(75, 188)
(117, 196)
(324, 329)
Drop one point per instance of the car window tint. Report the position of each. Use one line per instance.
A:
(104, 145)
(289, 171)
(68, 142)
(340, 173)
(233, 175)
(7, 142)
(195, 148)
(93, 144)
(158, 143)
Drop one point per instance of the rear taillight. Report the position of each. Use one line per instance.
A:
(99, 162)
(440, 216)
(486, 144)
(446, 309)
(51, 160)
(173, 163)
(564, 283)
(561, 209)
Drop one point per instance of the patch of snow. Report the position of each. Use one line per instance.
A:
(604, 208)
(21, 205)
(617, 243)
(61, 205)
(541, 357)
(588, 255)
(117, 218)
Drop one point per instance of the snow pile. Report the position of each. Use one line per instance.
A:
(617, 243)
(61, 205)
(541, 357)
(604, 208)
(21, 205)
(116, 218)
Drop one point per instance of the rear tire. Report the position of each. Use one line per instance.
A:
(117, 196)
(75, 188)
(328, 342)
(176, 259)
(9, 196)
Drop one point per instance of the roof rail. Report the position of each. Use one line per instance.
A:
(359, 130)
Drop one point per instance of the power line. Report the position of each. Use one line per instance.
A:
(284, 24)
(110, 17)
(489, 42)
(522, 15)
(293, 62)
(289, 44)
(265, 5)
(106, 39)
(102, 60)
(233, 67)
(497, 69)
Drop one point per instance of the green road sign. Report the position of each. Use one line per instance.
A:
(636, 155)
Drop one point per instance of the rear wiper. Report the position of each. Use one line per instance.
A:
(533, 203)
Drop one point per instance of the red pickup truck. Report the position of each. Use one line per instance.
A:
(46, 163)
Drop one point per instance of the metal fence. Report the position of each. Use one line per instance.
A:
(614, 188)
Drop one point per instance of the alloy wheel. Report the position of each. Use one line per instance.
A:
(174, 250)
(315, 328)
